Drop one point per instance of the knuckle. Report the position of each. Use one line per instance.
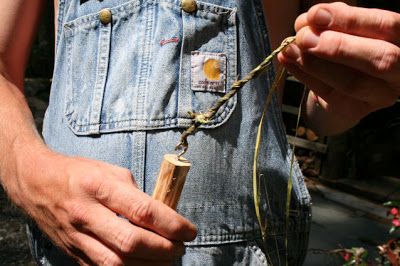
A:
(78, 214)
(102, 191)
(387, 60)
(339, 5)
(128, 243)
(126, 174)
(89, 182)
(70, 242)
(176, 227)
(335, 42)
(142, 212)
(388, 25)
(111, 260)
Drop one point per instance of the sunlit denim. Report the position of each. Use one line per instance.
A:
(121, 93)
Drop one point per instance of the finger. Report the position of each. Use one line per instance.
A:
(301, 22)
(377, 58)
(333, 100)
(365, 22)
(124, 175)
(145, 212)
(125, 238)
(89, 251)
(348, 81)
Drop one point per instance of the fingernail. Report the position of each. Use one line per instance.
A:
(291, 52)
(322, 17)
(310, 40)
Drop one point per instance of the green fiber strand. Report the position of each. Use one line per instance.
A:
(256, 179)
(290, 182)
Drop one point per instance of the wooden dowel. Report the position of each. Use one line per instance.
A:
(171, 179)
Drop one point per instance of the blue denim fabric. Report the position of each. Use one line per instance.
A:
(121, 93)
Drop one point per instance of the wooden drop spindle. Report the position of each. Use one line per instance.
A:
(171, 179)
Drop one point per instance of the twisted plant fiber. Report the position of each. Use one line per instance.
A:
(203, 118)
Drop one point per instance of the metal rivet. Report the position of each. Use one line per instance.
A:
(189, 6)
(105, 16)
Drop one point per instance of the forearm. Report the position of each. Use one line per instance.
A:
(18, 137)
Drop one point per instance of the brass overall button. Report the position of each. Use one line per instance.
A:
(105, 16)
(189, 6)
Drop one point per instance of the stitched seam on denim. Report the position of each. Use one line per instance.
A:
(132, 7)
(60, 18)
(138, 157)
(224, 238)
(124, 10)
(106, 128)
(262, 28)
(183, 123)
(211, 8)
(184, 97)
(215, 122)
(101, 75)
(69, 93)
(145, 62)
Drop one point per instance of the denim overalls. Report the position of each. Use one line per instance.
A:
(126, 74)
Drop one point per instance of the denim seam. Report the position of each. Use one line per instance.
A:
(210, 124)
(185, 95)
(101, 76)
(203, 10)
(139, 157)
(69, 110)
(60, 18)
(145, 63)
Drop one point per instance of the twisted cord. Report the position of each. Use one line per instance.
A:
(204, 118)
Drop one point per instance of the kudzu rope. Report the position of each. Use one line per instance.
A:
(203, 118)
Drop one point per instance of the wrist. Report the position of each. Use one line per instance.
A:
(20, 166)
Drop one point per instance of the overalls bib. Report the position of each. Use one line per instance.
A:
(126, 74)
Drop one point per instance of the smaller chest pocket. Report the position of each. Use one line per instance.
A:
(130, 67)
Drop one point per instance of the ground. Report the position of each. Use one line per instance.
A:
(14, 250)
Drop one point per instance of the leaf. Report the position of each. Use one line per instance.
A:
(392, 229)
(392, 203)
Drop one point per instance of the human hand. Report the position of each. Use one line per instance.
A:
(349, 57)
(75, 201)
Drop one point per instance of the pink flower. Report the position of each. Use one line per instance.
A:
(346, 256)
(394, 211)
(396, 222)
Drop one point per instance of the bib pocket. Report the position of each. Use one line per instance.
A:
(134, 71)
